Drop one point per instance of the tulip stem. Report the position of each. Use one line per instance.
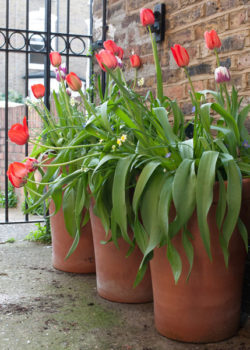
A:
(63, 147)
(227, 97)
(66, 97)
(157, 67)
(135, 79)
(66, 163)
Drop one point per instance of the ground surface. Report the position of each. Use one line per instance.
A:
(42, 308)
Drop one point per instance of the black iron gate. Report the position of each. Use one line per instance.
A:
(38, 44)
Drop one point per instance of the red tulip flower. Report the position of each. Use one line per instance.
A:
(17, 174)
(38, 90)
(55, 59)
(111, 46)
(73, 81)
(212, 40)
(147, 17)
(19, 133)
(180, 55)
(107, 58)
(135, 61)
(31, 164)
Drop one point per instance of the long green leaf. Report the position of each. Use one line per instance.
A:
(142, 181)
(119, 192)
(174, 260)
(184, 187)
(204, 194)
(162, 116)
(189, 250)
(69, 210)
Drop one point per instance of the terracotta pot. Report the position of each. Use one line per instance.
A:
(115, 274)
(82, 260)
(207, 307)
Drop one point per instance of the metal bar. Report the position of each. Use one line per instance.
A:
(68, 30)
(6, 113)
(45, 53)
(20, 222)
(48, 48)
(45, 33)
(104, 32)
(91, 42)
(27, 88)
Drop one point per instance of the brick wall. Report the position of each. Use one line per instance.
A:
(186, 22)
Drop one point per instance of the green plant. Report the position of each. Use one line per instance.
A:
(13, 96)
(39, 210)
(12, 197)
(42, 234)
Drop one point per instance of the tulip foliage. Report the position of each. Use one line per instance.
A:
(139, 159)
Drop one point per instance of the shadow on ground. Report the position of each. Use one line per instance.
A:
(42, 308)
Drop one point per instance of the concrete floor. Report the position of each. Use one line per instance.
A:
(42, 308)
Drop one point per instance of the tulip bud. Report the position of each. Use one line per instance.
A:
(73, 81)
(17, 174)
(31, 164)
(38, 90)
(221, 75)
(147, 17)
(180, 55)
(55, 59)
(135, 61)
(212, 40)
(68, 91)
(19, 133)
(107, 58)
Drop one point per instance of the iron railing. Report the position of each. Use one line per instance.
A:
(46, 37)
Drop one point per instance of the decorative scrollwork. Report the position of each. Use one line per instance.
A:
(16, 37)
(2, 39)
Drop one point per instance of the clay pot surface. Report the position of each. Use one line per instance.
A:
(82, 260)
(115, 273)
(207, 307)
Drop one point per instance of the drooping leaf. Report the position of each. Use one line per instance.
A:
(204, 194)
(174, 260)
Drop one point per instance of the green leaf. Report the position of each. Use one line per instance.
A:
(205, 116)
(162, 116)
(189, 250)
(174, 260)
(184, 187)
(186, 149)
(242, 117)
(234, 190)
(74, 245)
(228, 119)
(145, 175)
(125, 118)
(141, 235)
(221, 206)
(204, 194)
(69, 210)
(57, 199)
(178, 119)
(164, 205)
(243, 232)
(244, 167)
(119, 192)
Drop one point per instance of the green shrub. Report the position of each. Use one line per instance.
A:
(38, 211)
(12, 197)
(42, 234)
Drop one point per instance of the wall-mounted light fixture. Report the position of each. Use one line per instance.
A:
(159, 26)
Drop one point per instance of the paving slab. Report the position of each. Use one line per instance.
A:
(43, 308)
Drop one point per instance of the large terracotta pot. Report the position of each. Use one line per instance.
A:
(115, 274)
(207, 307)
(82, 260)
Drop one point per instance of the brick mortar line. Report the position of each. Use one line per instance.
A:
(215, 15)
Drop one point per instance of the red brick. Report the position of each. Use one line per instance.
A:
(175, 92)
(244, 61)
(238, 19)
(211, 8)
(230, 4)
(186, 17)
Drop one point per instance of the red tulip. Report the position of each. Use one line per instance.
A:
(73, 81)
(31, 164)
(180, 55)
(120, 52)
(108, 58)
(55, 59)
(17, 174)
(38, 90)
(135, 61)
(19, 133)
(212, 40)
(111, 46)
(147, 17)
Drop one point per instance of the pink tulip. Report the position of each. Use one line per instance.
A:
(107, 58)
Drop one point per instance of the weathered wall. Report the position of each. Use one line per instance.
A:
(186, 22)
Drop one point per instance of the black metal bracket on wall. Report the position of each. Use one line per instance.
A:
(158, 28)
